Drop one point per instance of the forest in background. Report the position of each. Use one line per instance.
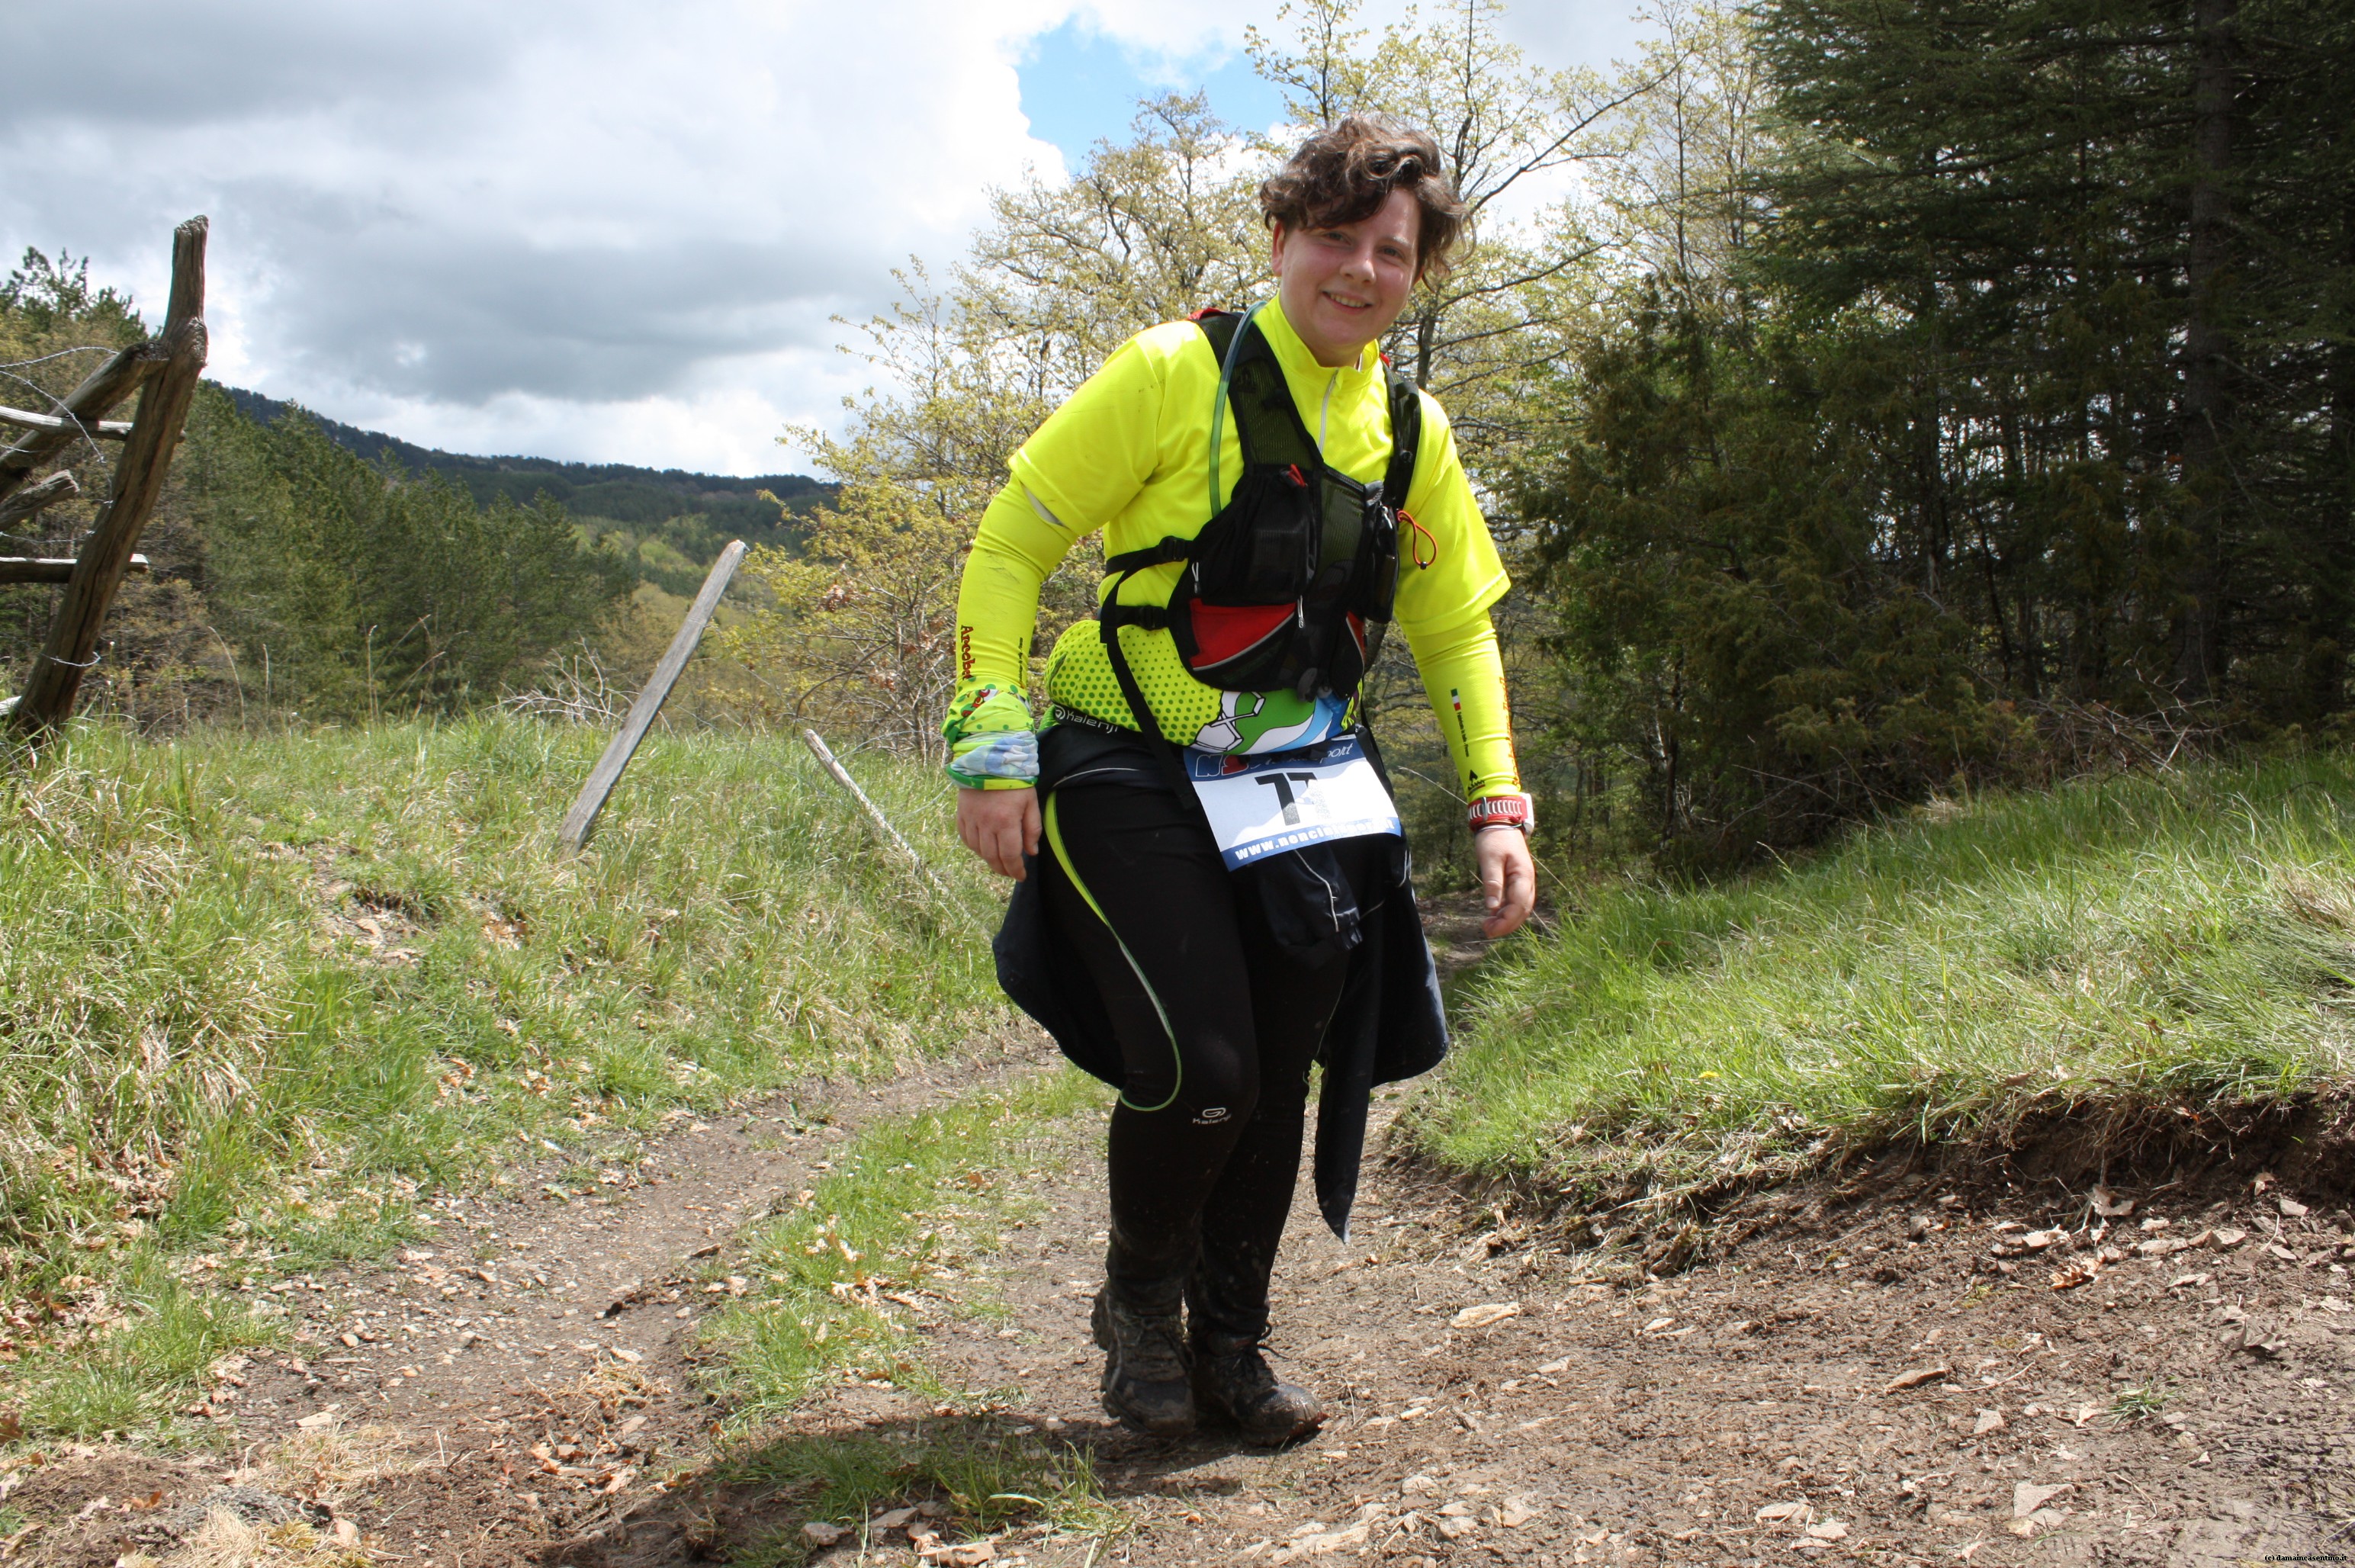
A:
(304, 570)
(1874, 404)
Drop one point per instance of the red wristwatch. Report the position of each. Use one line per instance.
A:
(1503, 811)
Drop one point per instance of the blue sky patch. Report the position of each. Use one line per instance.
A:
(1079, 86)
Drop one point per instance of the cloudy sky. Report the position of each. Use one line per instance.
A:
(602, 230)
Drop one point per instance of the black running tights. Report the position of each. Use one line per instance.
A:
(1217, 1030)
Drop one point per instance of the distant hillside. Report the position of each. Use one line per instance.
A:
(639, 498)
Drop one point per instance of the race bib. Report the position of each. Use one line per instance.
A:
(1260, 806)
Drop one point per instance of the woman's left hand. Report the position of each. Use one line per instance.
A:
(1508, 879)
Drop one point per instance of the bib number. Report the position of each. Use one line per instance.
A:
(1260, 806)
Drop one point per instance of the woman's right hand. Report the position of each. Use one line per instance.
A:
(1001, 826)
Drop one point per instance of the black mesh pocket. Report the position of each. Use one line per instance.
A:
(1262, 548)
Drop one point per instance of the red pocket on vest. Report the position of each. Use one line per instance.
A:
(1225, 631)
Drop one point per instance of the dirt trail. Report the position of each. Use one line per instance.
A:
(1881, 1371)
(559, 1321)
(1862, 1381)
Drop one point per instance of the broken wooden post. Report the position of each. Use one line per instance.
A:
(582, 820)
(58, 487)
(71, 646)
(83, 408)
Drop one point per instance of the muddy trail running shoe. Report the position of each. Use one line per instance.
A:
(1147, 1385)
(1231, 1378)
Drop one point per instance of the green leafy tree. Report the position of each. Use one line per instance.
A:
(350, 590)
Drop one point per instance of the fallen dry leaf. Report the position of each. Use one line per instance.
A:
(1488, 1312)
(2291, 1207)
(1989, 1421)
(1916, 1378)
(963, 1554)
(1830, 1529)
(2080, 1273)
(817, 1532)
(1778, 1513)
(2110, 1207)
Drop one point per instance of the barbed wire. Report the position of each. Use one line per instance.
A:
(71, 542)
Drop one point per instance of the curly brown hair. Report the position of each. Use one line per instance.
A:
(1345, 172)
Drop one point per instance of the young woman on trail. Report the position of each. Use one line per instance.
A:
(1222, 898)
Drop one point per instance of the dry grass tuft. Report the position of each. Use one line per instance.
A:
(225, 1540)
(337, 1463)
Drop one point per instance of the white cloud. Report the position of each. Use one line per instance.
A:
(601, 230)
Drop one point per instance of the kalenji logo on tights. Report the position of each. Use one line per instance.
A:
(1211, 1117)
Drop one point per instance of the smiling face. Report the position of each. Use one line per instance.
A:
(1344, 285)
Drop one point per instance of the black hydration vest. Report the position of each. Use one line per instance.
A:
(1289, 586)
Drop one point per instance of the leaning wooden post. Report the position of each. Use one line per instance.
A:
(582, 820)
(71, 646)
(833, 765)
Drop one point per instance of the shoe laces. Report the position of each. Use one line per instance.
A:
(1152, 1348)
(1243, 1366)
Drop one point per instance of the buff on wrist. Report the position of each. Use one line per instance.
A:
(1503, 811)
(1008, 757)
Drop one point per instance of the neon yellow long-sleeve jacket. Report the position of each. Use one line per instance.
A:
(1129, 453)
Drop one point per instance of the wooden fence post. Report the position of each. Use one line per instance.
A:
(582, 820)
(71, 646)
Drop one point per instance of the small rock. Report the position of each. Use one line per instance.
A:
(1517, 1513)
(1455, 1527)
(2291, 1207)
(891, 1519)
(1989, 1421)
(1419, 1485)
(345, 1532)
(817, 1532)
(2224, 1238)
(1778, 1513)
(2026, 1498)
(1830, 1529)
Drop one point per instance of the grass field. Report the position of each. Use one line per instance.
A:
(263, 995)
(2185, 940)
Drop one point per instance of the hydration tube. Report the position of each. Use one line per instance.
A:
(1219, 404)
